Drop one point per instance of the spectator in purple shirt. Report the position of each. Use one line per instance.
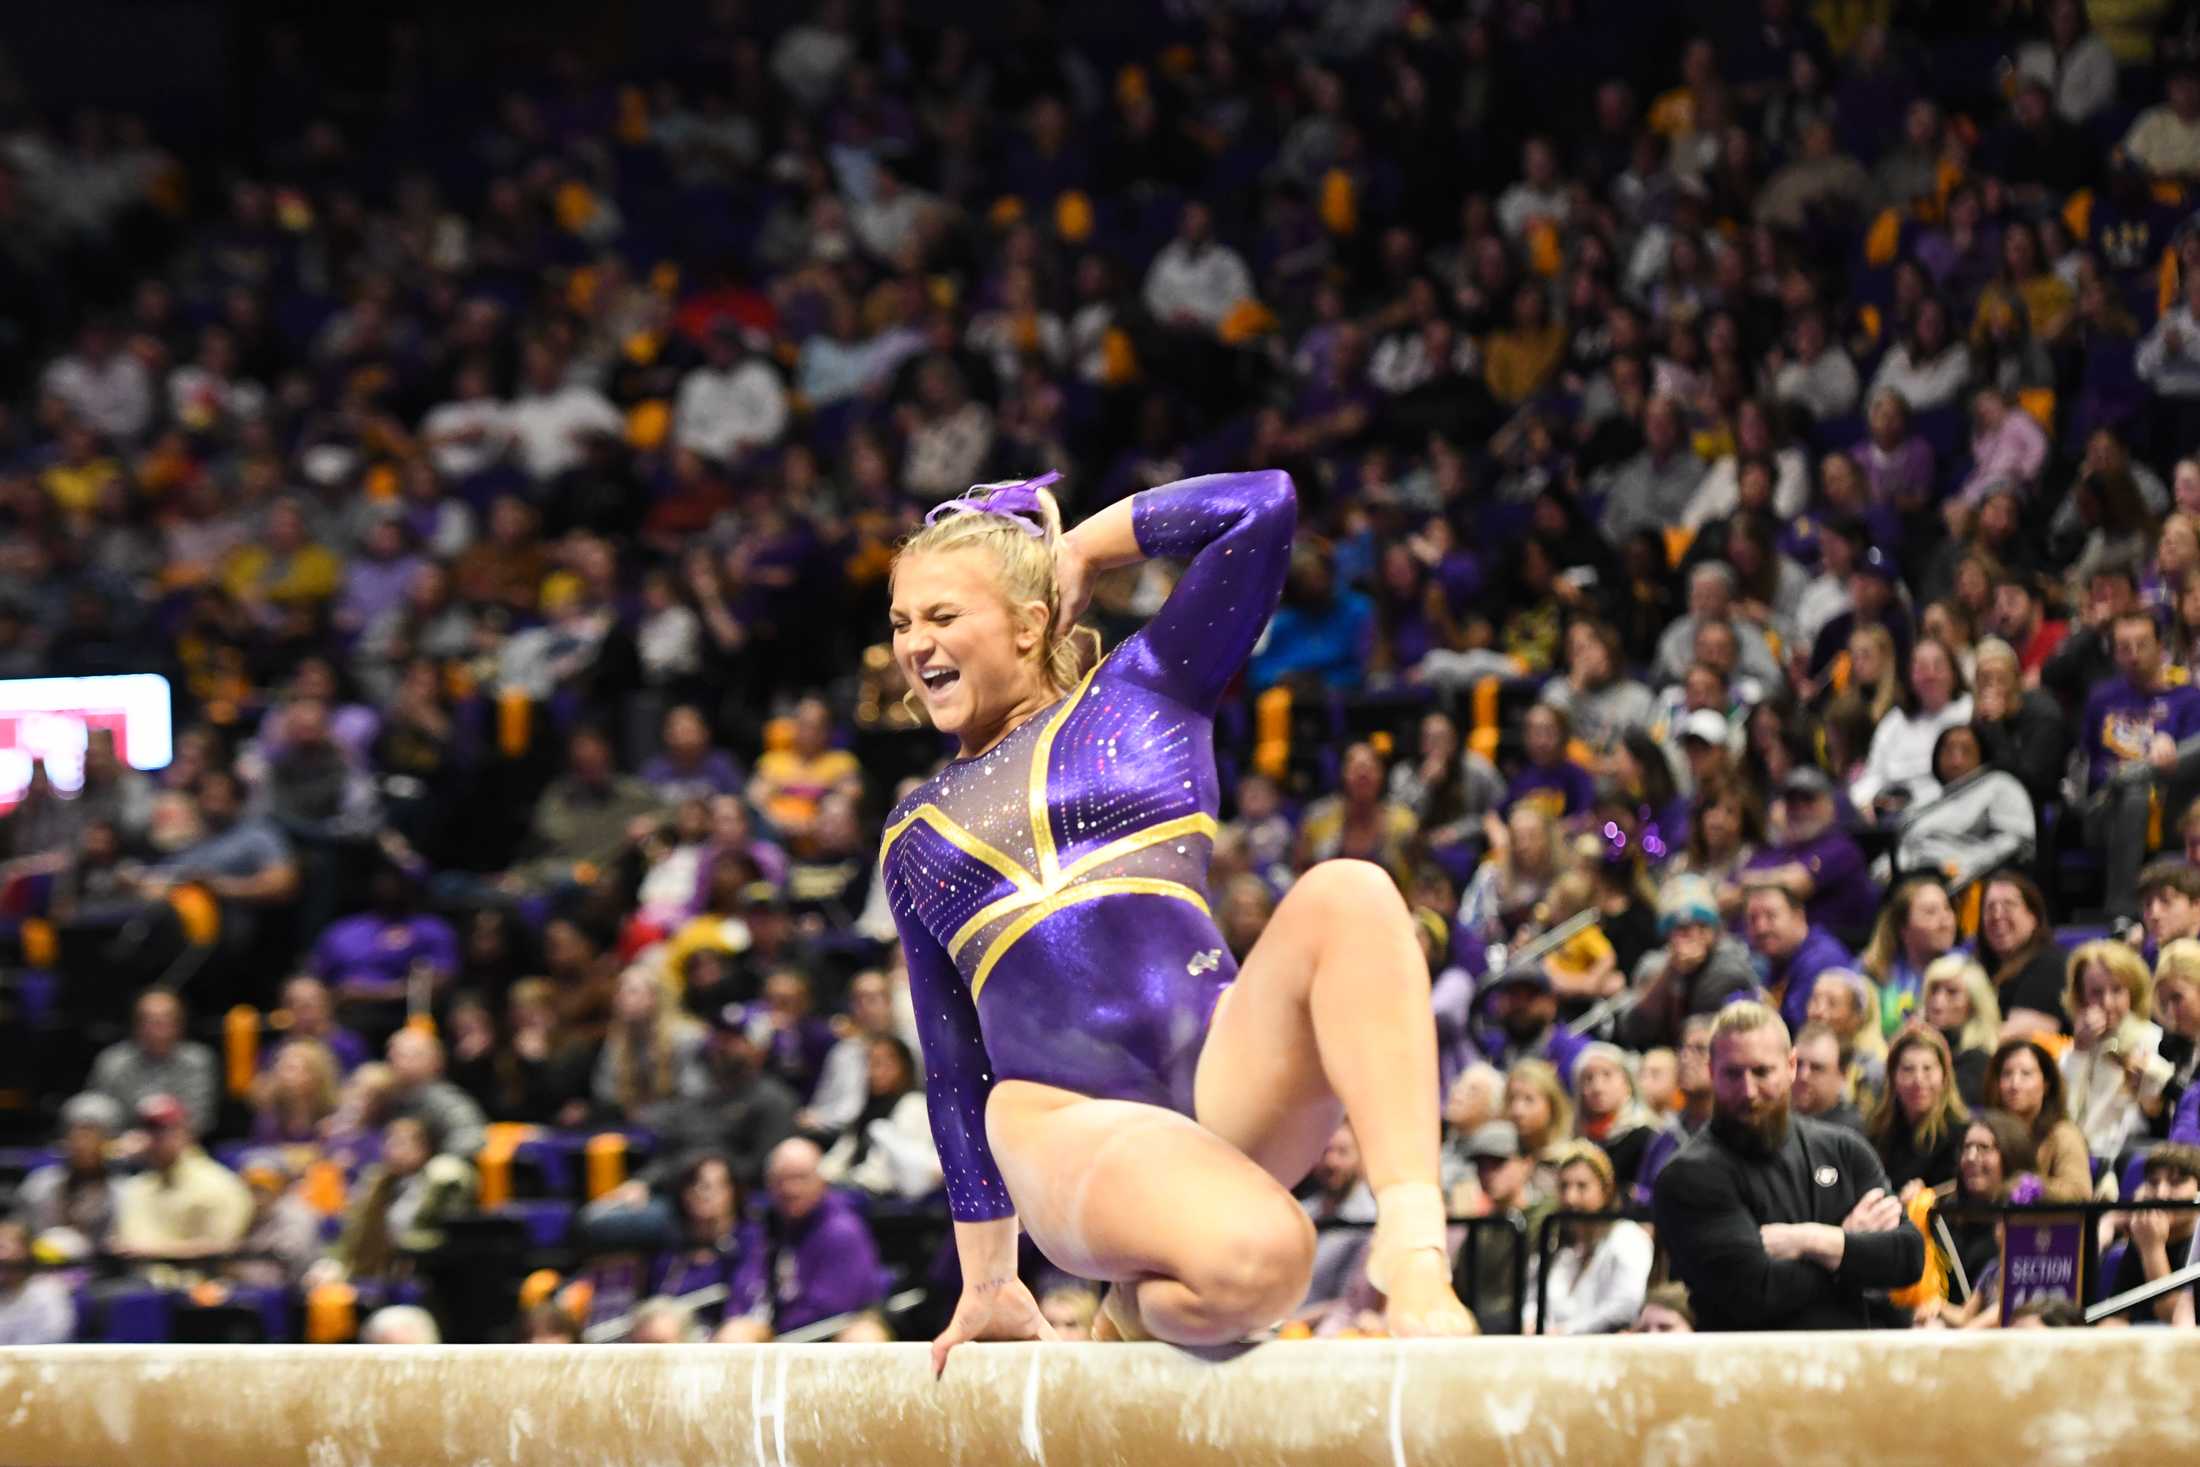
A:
(1814, 860)
(1550, 780)
(1897, 462)
(312, 1015)
(688, 768)
(797, 1038)
(377, 579)
(2140, 734)
(1791, 951)
(823, 1259)
(372, 954)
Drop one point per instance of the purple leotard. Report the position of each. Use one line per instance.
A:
(1051, 893)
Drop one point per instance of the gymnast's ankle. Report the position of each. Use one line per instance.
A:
(1118, 1317)
(1409, 1219)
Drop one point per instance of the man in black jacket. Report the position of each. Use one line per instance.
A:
(1775, 1221)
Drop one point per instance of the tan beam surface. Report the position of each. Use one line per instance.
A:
(2017, 1396)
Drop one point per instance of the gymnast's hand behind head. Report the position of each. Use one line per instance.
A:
(1003, 1310)
(1073, 578)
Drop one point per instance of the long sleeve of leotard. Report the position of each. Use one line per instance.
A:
(957, 1075)
(1235, 530)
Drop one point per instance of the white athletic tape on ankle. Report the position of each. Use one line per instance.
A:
(1409, 1217)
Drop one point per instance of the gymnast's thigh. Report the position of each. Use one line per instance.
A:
(1117, 1189)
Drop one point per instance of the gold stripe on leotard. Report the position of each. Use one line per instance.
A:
(1153, 835)
(962, 840)
(1115, 850)
(1090, 891)
(1042, 827)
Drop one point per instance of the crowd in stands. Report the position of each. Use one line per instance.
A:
(1748, 457)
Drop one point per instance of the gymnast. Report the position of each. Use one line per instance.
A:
(1100, 1070)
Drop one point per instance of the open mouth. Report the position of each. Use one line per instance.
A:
(938, 680)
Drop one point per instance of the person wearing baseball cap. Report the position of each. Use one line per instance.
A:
(1700, 968)
(1874, 600)
(1507, 1179)
(1526, 1010)
(1815, 859)
(185, 1204)
(69, 1205)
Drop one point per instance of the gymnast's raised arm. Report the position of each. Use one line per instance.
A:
(1235, 530)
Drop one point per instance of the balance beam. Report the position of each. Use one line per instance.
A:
(2016, 1396)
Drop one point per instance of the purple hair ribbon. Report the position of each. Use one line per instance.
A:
(1016, 500)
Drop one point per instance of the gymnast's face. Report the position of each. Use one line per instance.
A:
(968, 651)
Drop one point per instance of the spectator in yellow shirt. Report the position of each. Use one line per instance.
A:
(75, 479)
(790, 783)
(286, 567)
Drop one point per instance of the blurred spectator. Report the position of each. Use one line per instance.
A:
(158, 1060)
(35, 1308)
(687, 767)
(1338, 1195)
(716, 1243)
(2131, 734)
(1959, 1005)
(1813, 860)
(1792, 951)
(1898, 773)
(553, 417)
(1698, 970)
(743, 1115)
(185, 1205)
(887, 1149)
(733, 403)
(1608, 1109)
(69, 1204)
(823, 1260)
(1845, 1002)
(1358, 821)
(790, 783)
(284, 1237)
(1980, 820)
(2161, 1241)
(2023, 1081)
(2169, 903)
(1916, 928)
(1917, 1124)
(653, 1054)
(2165, 140)
(1505, 1174)
(1822, 1080)
(400, 1324)
(308, 1014)
(397, 1206)
(586, 817)
(2113, 1071)
(380, 953)
(1600, 1270)
(455, 1125)
(2177, 1010)
(295, 1094)
(2073, 61)
(2018, 949)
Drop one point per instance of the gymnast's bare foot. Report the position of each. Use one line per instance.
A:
(1117, 1320)
(1420, 1303)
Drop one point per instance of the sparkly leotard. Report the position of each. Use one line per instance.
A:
(1051, 893)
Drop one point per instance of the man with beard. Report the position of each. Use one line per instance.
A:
(1775, 1221)
(1526, 1011)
